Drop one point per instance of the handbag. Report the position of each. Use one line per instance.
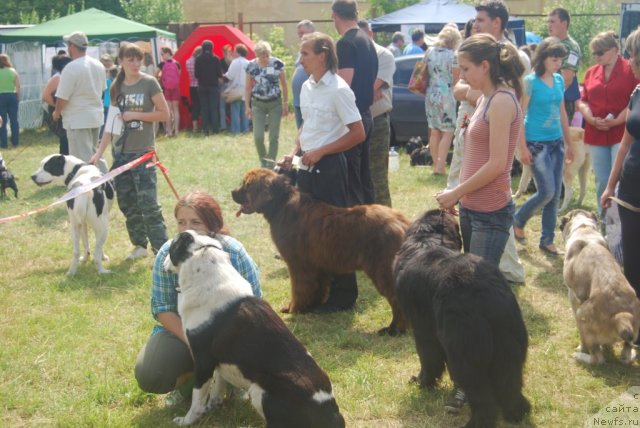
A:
(419, 78)
(232, 93)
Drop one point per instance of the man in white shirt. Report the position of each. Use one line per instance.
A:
(332, 124)
(79, 99)
(380, 110)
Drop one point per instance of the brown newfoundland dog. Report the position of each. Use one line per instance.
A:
(465, 316)
(318, 240)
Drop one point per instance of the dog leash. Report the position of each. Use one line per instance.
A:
(15, 156)
(164, 171)
(625, 204)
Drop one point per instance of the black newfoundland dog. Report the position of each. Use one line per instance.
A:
(464, 315)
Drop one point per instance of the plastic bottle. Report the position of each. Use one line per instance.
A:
(394, 160)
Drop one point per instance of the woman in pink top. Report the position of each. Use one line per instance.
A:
(484, 192)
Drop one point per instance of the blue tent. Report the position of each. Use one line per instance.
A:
(434, 14)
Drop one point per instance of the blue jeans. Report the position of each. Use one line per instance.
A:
(546, 166)
(602, 158)
(486, 234)
(239, 119)
(9, 106)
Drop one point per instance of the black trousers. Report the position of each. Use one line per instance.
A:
(209, 108)
(328, 182)
(360, 183)
(630, 227)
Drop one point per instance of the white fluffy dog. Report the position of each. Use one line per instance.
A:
(88, 209)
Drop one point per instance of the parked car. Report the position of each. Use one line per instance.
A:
(408, 118)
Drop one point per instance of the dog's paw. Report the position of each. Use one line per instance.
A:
(213, 403)
(180, 421)
(586, 358)
(72, 270)
(183, 421)
(392, 331)
(286, 309)
(627, 357)
(104, 271)
(423, 383)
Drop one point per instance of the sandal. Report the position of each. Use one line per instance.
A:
(522, 238)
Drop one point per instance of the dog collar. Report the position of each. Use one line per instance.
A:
(73, 173)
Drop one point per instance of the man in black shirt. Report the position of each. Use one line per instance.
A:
(358, 66)
(209, 74)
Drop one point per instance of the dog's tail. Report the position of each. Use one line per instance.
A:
(624, 326)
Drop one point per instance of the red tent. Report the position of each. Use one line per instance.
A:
(220, 35)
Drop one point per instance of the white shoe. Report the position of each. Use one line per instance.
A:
(137, 253)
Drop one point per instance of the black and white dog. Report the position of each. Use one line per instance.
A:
(7, 180)
(465, 316)
(88, 209)
(237, 338)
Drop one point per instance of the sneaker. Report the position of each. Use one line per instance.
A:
(137, 253)
(173, 399)
(457, 402)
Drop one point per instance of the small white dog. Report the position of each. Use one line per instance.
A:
(580, 167)
(88, 209)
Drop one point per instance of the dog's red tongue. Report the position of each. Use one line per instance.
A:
(239, 212)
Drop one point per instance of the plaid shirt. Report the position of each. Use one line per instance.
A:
(164, 297)
(191, 69)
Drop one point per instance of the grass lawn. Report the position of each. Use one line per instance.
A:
(68, 345)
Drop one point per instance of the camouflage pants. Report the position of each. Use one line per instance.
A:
(379, 159)
(137, 195)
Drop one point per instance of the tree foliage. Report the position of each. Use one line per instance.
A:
(382, 7)
(587, 20)
(37, 11)
(153, 11)
(275, 37)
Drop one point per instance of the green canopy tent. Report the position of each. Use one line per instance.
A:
(99, 26)
(27, 50)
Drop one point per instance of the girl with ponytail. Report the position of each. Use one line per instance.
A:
(490, 136)
(141, 103)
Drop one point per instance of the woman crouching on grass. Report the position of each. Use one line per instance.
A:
(140, 99)
(484, 192)
(164, 364)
